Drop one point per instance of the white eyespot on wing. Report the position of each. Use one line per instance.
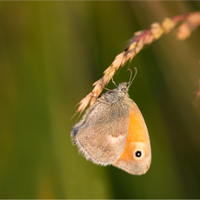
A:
(140, 150)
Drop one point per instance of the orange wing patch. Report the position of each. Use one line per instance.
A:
(137, 136)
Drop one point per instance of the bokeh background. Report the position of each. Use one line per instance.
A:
(50, 55)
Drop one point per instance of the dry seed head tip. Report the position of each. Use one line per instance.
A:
(189, 22)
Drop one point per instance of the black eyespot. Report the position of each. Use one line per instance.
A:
(138, 154)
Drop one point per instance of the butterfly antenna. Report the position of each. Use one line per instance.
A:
(131, 81)
(114, 83)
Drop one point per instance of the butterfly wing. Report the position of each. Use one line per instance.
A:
(101, 134)
(136, 157)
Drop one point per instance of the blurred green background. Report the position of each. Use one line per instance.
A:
(50, 55)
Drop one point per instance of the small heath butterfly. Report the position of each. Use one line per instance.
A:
(113, 132)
